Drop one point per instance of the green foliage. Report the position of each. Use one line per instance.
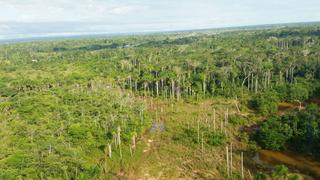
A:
(236, 176)
(190, 136)
(61, 102)
(306, 134)
(217, 139)
(227, 64)
(265, 103)
(295, 177)
(78, 132)
(17, 160)
(298, 92)
(273, 134)
(280, 171)
(261, 176)
(283, 92)
(59, 133)
(238, 120)
(297, 131)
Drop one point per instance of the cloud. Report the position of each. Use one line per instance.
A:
(64, 11)
(95, 16)
(125, 10)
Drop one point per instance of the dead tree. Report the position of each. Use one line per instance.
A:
(198, 130)
(231, 159)
(242, 174)
(227, 158)
(119, 141)
(202, 146)
(214, 120)
(110, 150)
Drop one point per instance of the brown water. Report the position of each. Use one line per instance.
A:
(303, 164)
(286, 106)
(315, 100)
(296, 161)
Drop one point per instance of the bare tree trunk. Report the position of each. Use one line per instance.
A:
(249, 85)
(172, 88)
(269, 77)
(214, 120)
(221, 126)
(202, 146)
(242, 174)
(119, 141)
(110, 150)
(252, 80)
(130, 149)
(244, 80)
(204, 86)
(227, 156)
(145, 88)
(130, 82)
(162, 86)
(231, 163)
(237, 106)
(198, 130)
(292, 77)
(157, 88)
(250, 174)
(256, 86)
(265, 80)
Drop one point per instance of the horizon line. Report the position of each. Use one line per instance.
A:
(76, 35)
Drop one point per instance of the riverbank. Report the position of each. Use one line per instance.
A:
(297, 162)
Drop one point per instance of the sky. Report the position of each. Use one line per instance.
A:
(24, 18)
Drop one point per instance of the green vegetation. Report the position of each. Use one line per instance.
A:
(171, 105)
(280, 171)
(265, 103)
(63, 133)
(297, 131)
(261, 176)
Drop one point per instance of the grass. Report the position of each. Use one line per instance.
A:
(176, 154)
(173, 151)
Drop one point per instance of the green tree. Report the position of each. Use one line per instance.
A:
(280, 171)
(266, 103)
(273, 134)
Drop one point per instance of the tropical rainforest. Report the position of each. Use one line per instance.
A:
(182, 105)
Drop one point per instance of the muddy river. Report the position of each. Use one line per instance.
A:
(301, 163)
(295, 161)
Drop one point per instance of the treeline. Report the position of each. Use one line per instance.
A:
(226, 66)
(297, 131)
(267, 102)
(203, 66)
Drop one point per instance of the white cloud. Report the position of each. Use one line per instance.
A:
(67, 10)
(125, 10)
(78, 16)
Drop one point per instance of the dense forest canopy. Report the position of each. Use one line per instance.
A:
(64, 103)
(180, 65)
